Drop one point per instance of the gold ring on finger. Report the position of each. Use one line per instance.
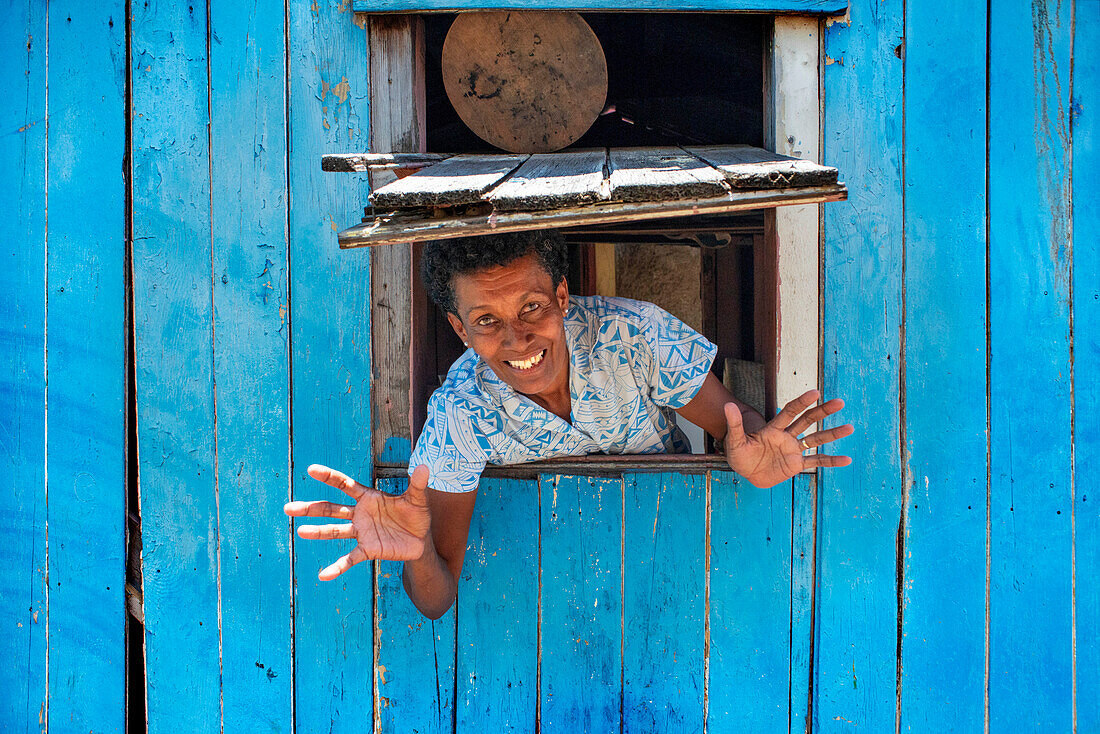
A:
(805, 446)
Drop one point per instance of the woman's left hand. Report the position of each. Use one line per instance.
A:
(774, 453)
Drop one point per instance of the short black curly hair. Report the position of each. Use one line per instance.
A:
(442, 260)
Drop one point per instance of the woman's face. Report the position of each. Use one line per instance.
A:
(512, 316)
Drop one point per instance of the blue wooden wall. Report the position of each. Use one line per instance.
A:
(63, 224)
(945, 581)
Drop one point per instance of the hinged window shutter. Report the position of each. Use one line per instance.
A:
(473, 194)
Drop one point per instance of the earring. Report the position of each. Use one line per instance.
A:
(465, 344)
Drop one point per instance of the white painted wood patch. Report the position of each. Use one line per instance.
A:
(797, 133)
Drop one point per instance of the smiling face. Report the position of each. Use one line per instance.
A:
(512, 316)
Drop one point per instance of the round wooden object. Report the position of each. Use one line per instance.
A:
(527, 82)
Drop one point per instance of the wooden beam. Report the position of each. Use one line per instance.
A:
(396, 61)
(362, 162)
(595, 465)
(794, 109)
(397, 227)
(795, 104)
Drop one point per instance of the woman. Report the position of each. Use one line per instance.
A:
(546, 375)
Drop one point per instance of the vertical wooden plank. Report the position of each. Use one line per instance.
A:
(251, 336)
(396, 61)
(581, 621)
(175, 384)
(855, 663)
(663, 608)
(410, 695)
(765, 301)
(1086, 350)
(604, 256)
(943, 625)
(86, 366)
(803, 525)
(750, 605)
(330, 358)
(23, 365)
(498, 599)
(796, 115)
(1031, 648)
(414, 656)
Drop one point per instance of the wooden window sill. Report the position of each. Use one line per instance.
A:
(589, 466)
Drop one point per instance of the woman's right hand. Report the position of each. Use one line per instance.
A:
(384, 526)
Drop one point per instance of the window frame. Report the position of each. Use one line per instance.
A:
(792, 109)
(774, 7)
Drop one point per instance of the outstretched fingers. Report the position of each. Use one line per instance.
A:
(343, 563)
(341, 531)
(338, 479)
(784, 418)
(815, 415)
(318, 508)
(829, 435)
(825, 460)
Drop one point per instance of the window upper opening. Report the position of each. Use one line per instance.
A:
(672, 79)
(680, 135)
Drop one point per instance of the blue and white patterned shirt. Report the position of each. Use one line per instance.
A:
(630, 363)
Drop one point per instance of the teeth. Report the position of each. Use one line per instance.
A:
(528, 363)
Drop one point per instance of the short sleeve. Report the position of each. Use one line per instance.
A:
(682, 358)
(449, 447)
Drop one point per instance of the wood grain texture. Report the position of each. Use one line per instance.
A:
(86, 366)
(498, 597)
(855, 663)
(1086, 351)
(395, 90)
(398, 227)
(747, 6)
(750, 605)
(363, 162)
(414, 667)
(549, 180)
(1031, 646)
(330, 355)
(23, 586)
(614, 465)
(796, 111)
(663, 607)
(461, 179)
(581, 645)
(175, 381)
(943, 647)
(525, 82)
(747, 167)
(251, 362)
(803, 539)
(655, 174)
(765, 300)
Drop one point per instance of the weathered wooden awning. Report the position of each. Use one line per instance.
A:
(470, 194)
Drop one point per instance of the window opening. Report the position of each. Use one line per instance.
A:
(673, 79)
